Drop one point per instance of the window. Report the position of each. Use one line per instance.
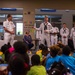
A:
(19, 29)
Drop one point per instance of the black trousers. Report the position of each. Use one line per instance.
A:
(30, 45)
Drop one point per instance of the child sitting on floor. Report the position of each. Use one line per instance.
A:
(54, 56)
(36, 68)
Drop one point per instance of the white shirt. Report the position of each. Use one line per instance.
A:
(72, 32)
(66, 33)
(38, 34)
(9, 25)
(49, 26)
(54, 30)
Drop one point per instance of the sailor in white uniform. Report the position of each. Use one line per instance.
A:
(54, 37)
(9, 30)
(64, 32)
(72, 35)
(38, 34)
(45, 28)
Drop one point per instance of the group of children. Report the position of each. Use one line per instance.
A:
(58, 60)
(58, 53)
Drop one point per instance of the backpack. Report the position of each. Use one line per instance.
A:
(58, 68)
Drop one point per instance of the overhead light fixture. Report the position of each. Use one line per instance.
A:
(67, 10)
(8, 9)
(47, 10)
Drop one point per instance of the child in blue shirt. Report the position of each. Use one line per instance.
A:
(67, 60)
(55, 58)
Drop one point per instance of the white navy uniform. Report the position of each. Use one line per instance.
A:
(38, 36)
(64, 32)
(45, 35)
(9, 25)
(72, 35)
(54, 37)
